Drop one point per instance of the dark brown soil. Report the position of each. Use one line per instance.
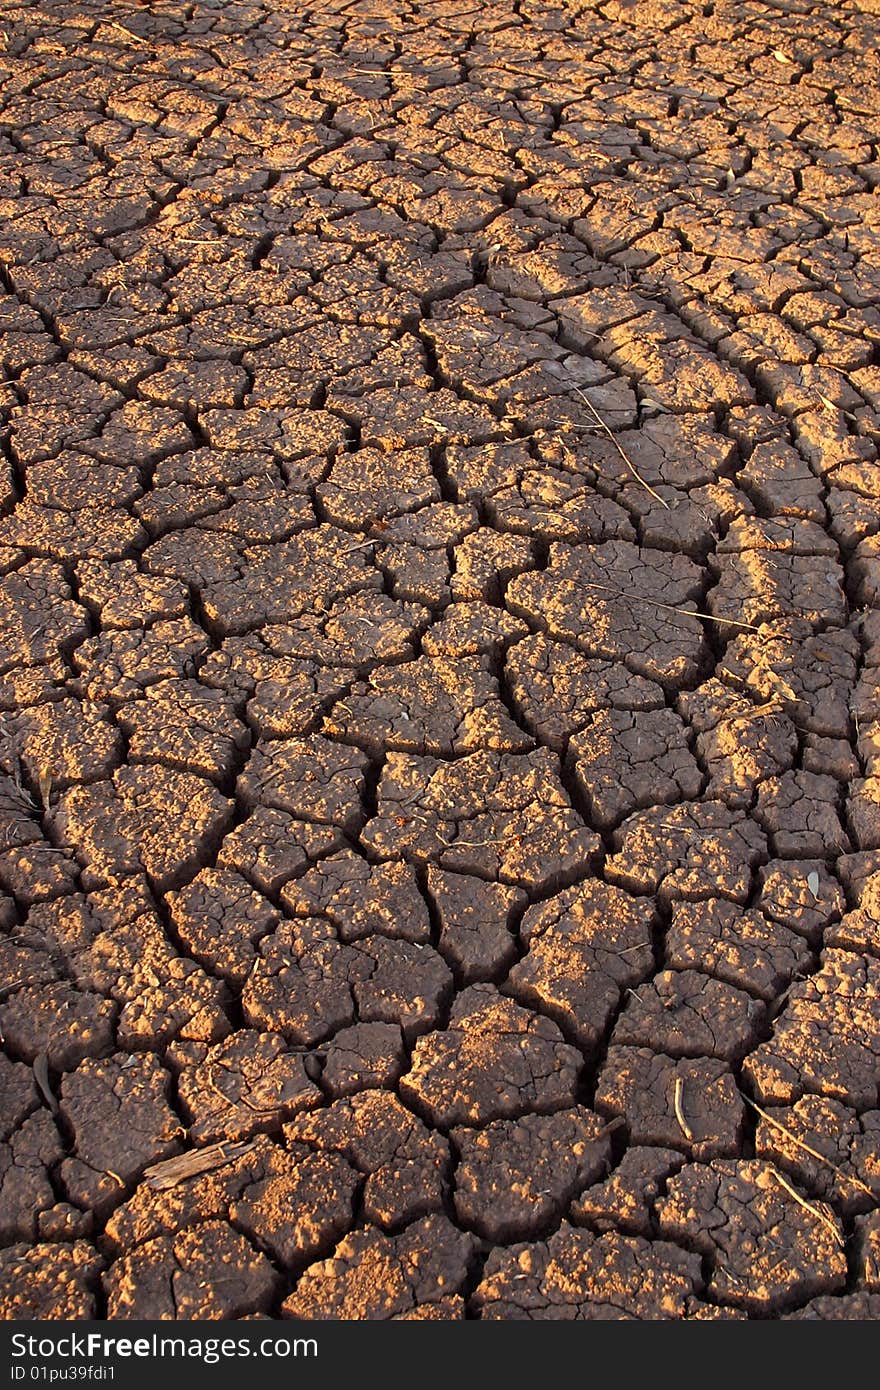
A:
(439, 660)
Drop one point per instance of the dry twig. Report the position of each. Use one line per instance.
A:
(679, 1113)
(814, 1153)
(668, 608)
(619, 447)
(162, 1176)
(808, 1206)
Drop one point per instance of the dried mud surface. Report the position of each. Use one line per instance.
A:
(439, 660)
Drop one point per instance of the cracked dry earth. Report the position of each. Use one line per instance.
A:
(440, 660)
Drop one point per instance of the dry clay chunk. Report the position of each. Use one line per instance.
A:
(585, 946)
(432, 705)
(37, 872)
(768, 1251)
(476, 922)
(48, 1283)
(579, 1276)
(739, 743)
(189, 1188)
(182, 724)
(290, 670)
(624, 761)
(306, 984)
(737, 945)
(19, 1096)
(272, 846)
(66, 1023)
(852, 1307)
(152, 818)
(814, 672)
(493, 1060)
(391, 419)
(519, 494)
(277, 582)
(857, 931)
(301, 1208)
(290, 1201)
(444, 1310)
(515, 1175)
(370, 486)
(373, 1276)
(118, 1113)
(26, 1159)
(802, 895)
(642, 1085)
(556, 690)
(360, 898)
(603, 600)
(498, 816)
(827, 1041)
(126, 598)
(768, 585)
(117, 666)
(114, 941)
(863, 812)
(703, 850)
(798, 810)
(678, 372)
(867, 1250)
(485, 561)
(246, 1083)
(218, 918)
(625, 1200)
(90, 531)
(472, 629)
(207, 1273)
(826, 1148)
(362, 1057)
(405, 1164)
(312, 778)
(685, 1013)
(66, 742)
(38, 618)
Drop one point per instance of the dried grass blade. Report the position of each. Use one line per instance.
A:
(619, 447)
(668, 607)
(814, 1153)
(808, 1206)
(679, 1112)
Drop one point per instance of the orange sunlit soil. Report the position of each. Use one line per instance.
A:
(440, 660)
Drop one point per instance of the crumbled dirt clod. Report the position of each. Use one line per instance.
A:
(516, 1175)
(767, 1251)
(374, 1276)
(495, 1059)
(577, 1275)
(49, 1282)
(208, 1273)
